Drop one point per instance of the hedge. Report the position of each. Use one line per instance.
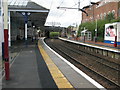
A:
(54, 34)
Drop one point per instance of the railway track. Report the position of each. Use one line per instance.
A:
(98, 59)
(107, 72)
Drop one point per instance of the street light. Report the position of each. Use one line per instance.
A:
(93, 3)
(33, 33)
(26, 14)
(33, 26)
(96, 32)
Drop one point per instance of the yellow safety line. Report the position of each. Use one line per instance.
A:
(58, 77)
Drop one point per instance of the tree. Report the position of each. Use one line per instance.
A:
(110, 16)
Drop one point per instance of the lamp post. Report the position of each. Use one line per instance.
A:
(84, 36)
(25, 14)
(93, 3)
(95, 38)
(33, 33)
(115, 42)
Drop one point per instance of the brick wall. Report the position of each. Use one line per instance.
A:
(99, 12)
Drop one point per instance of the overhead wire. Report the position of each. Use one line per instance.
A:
(9, 2)
(59, 17)
(79, 2)
(54, 19)
(49, 12)
(62, 12)
(74, 1)
(61, 3)
(65, 9)
(51, 4)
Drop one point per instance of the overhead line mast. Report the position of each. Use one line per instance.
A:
(79, 9)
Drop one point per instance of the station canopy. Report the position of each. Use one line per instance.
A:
(37, 13)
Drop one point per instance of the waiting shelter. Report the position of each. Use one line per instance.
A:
(24, 18)
(86, 35)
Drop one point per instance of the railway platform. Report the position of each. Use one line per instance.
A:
(97, 43)
(28, 70)
(38, 66)
(101, 48)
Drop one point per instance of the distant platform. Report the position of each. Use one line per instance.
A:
(99, 45)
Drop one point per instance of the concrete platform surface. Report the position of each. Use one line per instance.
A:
(77, 80)
(29, 70)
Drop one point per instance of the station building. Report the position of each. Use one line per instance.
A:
(100, 11)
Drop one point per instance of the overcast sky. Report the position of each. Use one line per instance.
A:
(62, 17)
